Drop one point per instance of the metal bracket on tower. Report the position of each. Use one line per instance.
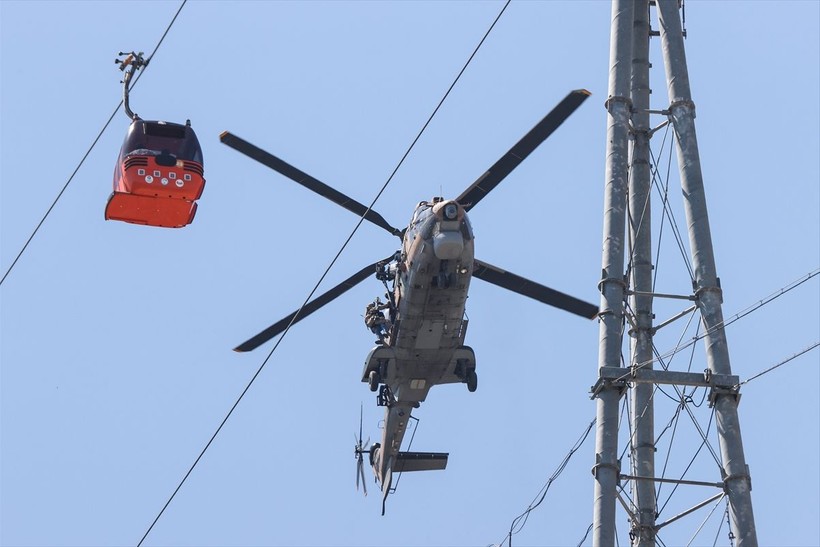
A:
(600, 464)
(616, 381)
(737, 476)
(641, 375)
(626, 100)
(721, 391)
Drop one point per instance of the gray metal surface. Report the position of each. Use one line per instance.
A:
(629, 57)
(607, 466)
(642, 458)
(707, 288)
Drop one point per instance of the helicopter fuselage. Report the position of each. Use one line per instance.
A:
(421, 338)
(425, 343)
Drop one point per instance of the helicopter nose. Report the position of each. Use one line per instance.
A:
(448, 242)
(448, 245)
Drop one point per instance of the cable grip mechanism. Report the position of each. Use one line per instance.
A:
(130, 64)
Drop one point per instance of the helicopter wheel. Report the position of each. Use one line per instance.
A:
(373, 380)
(472, 381)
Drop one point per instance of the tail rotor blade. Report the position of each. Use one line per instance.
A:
(360, 475)
(358, 469)
(359, 451)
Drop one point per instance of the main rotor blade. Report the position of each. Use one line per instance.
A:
(300, 177)
(509, 161)
(510, 281)
(311, 307)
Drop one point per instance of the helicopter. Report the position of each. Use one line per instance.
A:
(159, 173)
(421, 326)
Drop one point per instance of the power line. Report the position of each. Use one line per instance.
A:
(327, 270)
(780, 364)
(725, 323)
(521, 520)
(90, 148)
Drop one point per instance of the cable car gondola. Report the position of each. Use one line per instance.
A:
(159, 173)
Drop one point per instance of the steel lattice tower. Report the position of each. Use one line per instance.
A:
(627, 296)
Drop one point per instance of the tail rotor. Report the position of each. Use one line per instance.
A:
(358, 451)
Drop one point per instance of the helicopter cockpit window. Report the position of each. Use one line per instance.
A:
(422, 208)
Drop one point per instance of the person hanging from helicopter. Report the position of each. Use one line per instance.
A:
(375, 319)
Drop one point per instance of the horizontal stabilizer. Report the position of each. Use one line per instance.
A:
(420, 461)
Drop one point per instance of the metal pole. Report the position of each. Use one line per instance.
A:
(612, 286)
(643, 418)
(707, 288)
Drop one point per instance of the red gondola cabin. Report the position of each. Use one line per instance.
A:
(158, 177)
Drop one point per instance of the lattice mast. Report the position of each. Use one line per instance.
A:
(628, 113)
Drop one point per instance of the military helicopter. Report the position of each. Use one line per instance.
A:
(421, 326)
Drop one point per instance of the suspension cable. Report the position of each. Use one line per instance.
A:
(90, 148)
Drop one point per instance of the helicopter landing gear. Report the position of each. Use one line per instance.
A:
(467, 375)
(471, 380)
(377, 375)
(373, 380)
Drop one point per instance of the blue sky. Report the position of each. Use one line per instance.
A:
(116, 339)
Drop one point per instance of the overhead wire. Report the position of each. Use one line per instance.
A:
(667, 209)
(780, 364)
(324, 274)
(720, 527)
(520, 521)
(684, 398)
(90, 148)
(725, 323)
(691, 462)
(583, 539)
(661, 184)
(706, 519)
